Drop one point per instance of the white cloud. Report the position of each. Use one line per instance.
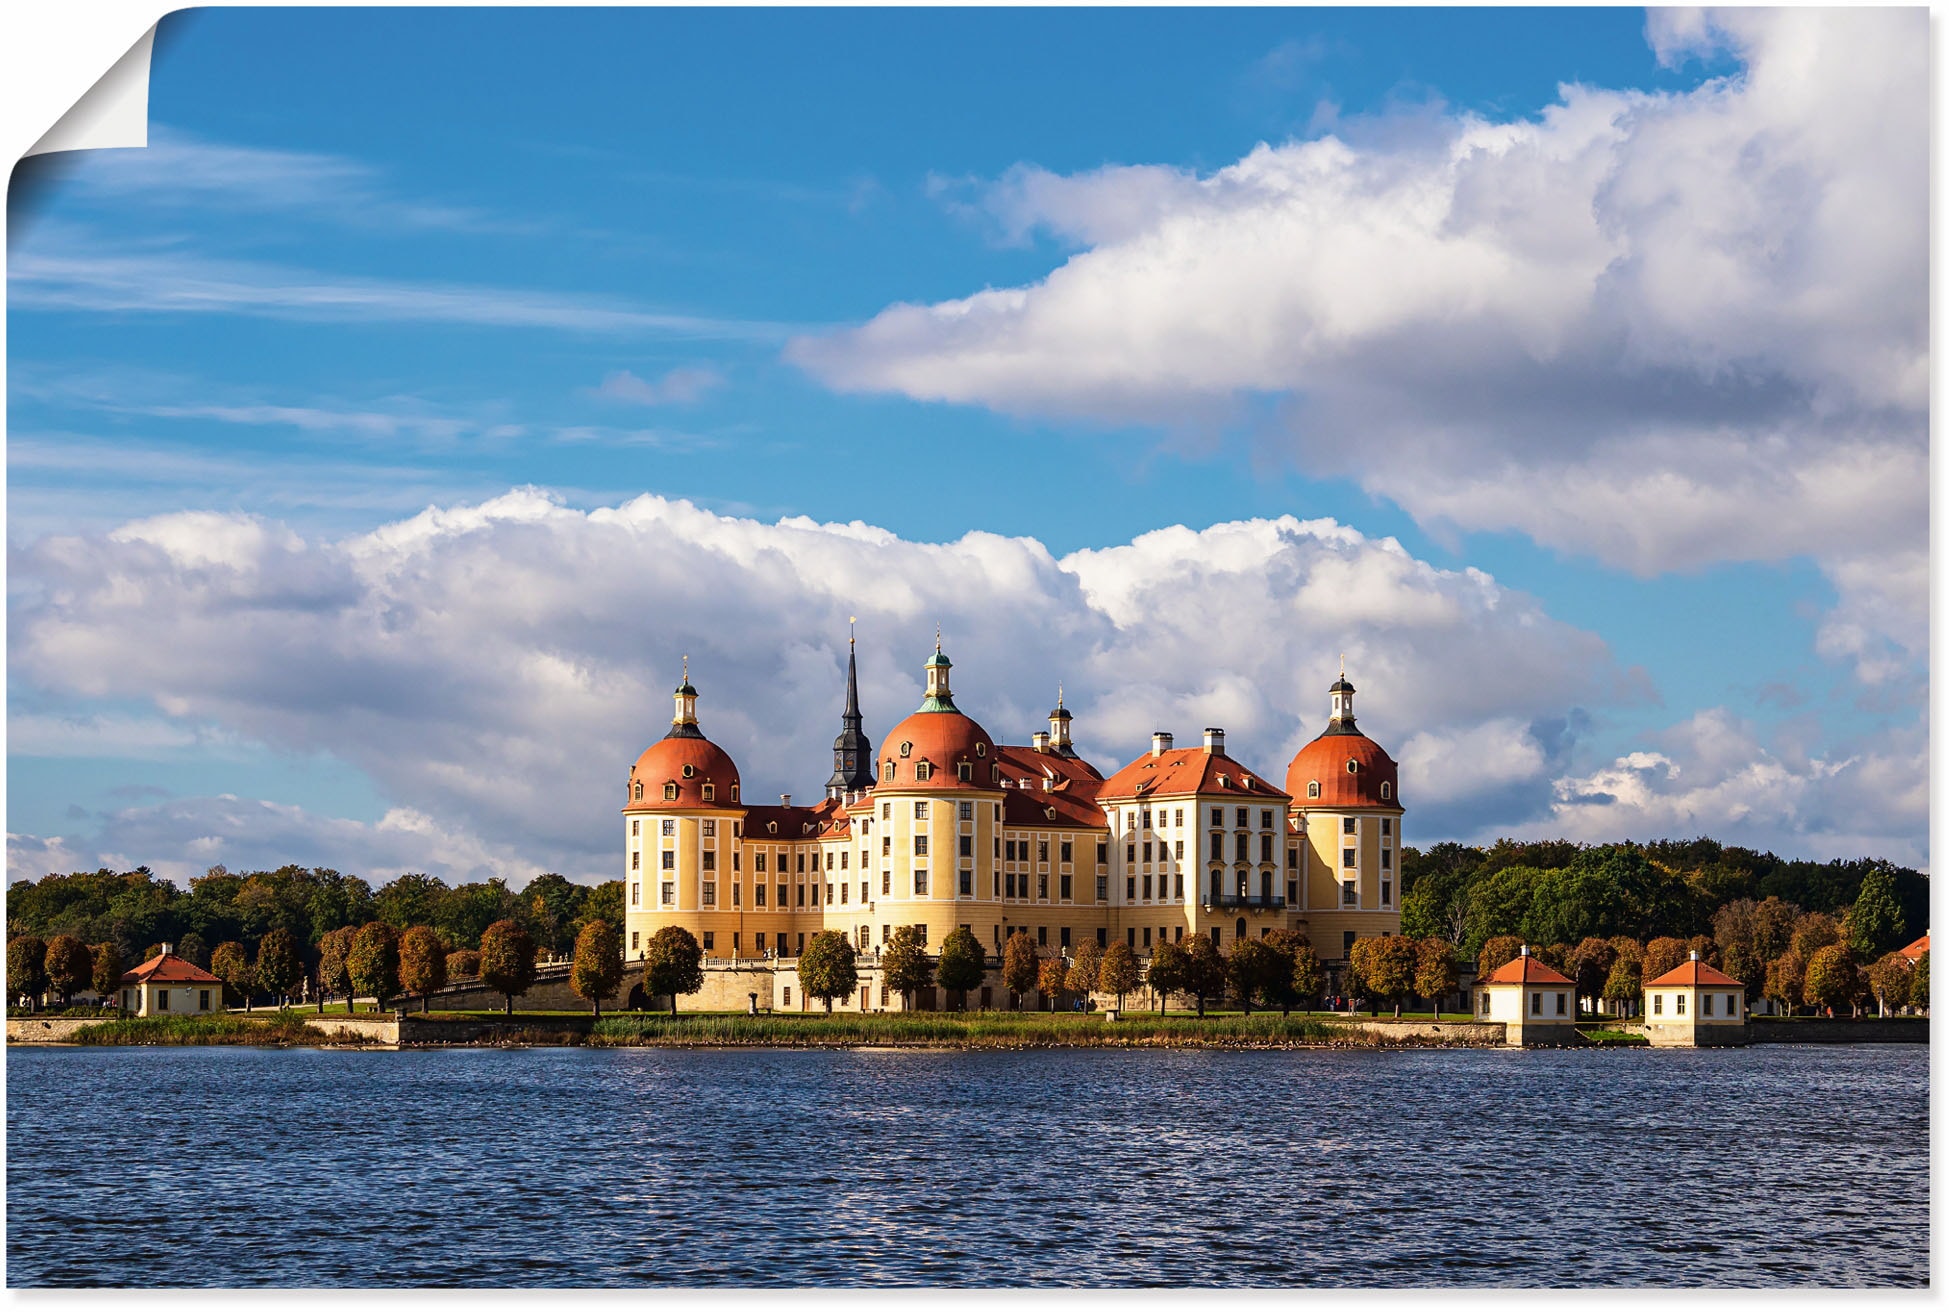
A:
(681, 386)
(1663, 329)
(498, 666)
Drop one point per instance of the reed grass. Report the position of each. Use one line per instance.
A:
(971, 1030)
(191, 1031)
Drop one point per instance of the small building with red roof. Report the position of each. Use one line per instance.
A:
(1915, 951)
(1693, 1005)
(1536, 1004)
(169, 985)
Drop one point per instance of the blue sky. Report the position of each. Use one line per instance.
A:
(376, 261)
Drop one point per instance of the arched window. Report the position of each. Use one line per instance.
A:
(1239, 932)
(639, 791)
(966, 770)
(892, 770)
(710, 792)
(921, 771)
(734, 792)
(1313, 789)
(669, 792)
(1387, 790)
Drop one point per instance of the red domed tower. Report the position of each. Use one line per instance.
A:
(1346, 795)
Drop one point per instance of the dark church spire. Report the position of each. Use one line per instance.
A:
(852, 751)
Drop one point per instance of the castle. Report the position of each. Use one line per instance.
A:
(943, 827)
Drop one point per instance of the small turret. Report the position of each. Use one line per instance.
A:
(1059, 728)
(684, 723)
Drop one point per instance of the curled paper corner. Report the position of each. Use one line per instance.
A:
(113, 113)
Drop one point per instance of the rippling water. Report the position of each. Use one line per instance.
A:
(239, 1166)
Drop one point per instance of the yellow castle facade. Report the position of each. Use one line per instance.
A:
(940, 827)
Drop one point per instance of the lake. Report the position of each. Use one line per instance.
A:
(632, 1167)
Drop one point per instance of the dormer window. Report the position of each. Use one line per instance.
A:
(734, 792)
(639, 791)
(771, 826)
(1387, 790)
(670, 792)
(1353, 766)
(689, 770)
(892, 771)
(710, 792)
(981, 749)
(966, 770)
(922, 771)
(906, 750)
(1313, 789)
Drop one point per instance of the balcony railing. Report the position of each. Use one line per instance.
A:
(1246, 901)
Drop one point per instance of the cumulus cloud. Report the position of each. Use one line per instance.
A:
(496, 667)
(1664, 329)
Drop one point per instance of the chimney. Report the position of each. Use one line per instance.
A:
(167, 948)
(1215, 740)
(784, 799)
(1040, 741)
(1160, 743)
(1526, 949)
(1695, 956)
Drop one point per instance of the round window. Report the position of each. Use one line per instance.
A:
(1353, 767)
(906, 749)
(690, 770)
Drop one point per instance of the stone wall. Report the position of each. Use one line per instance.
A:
(55, 1029)
(1819, 1029)
(1472, 1032)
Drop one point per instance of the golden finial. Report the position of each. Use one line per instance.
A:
(686, 667)
(937, 637)
(1059, 694)
(1343, 665)
(851, 620)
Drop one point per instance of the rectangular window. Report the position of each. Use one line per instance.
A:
(1146, 888)
(1732, 1004)
(710, 858)
(1387, 858)
(1042, 887)
(1657, 1004)
(801, 952)
(669, 861)
(1347, 857)
(966, 811)
(1265, 847)
(967, 845)
(1346, 825)
(203, 999)
(759, 860)
(1042, 936)
(737, 859)
(633, 940)
(1065, 888)
(761, 942)
(636, 895)
(1243, 852)
(845, 859)
(759, 891)
(1387, 892)
(815, 860)
(801, 894)
(669, 828)
(801, 863)
(1147, 853)
(1178, 851)
(1144, 819)
(1559, 1003)
(920, 844)
(162, 999)
(1130, 888)
(864, 890)
(920, 883)
(788, 995)
(1102, 888)
(1218, 816)
(1102, 937)
(1244, 818)
(1146, 935)
(1292, 892)
(669, 893)
(635, 860)
(784, 896)
(1010, 876)
(709, 893)
(635, 828)
(710, 941)
(1103, 854)
(1678, 1003)
(1705, 1004)
(920, 810)
(1292, 858)
(1536, 1004)
(1348, 897)
(710, 829)
(1042, 851)
(1066, 853)
(1178, 884)
(1265, 819)
(886, 844)
(1387, 826)
(844, 889)
(967, 883)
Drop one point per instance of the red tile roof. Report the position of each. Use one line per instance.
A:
(1186, 770)
(1325, 760)
(168, 968)
(1525, 970)
(1692, 974)
(1019, 763)
(1915, 950)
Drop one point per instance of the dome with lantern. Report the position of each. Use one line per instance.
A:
(1343, 769)
(683, 770)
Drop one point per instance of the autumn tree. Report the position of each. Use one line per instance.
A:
(673, 965)
(1625, 984)
(1918, 984)
(1889, 979)
(1284, 943)
(26, 966)
(333, 977)
(1434, 970)
(1085, 968)
(279, 967)
(70, 966)
(1254, 969)
(1664, 954)
(904, 966)
(1875, 923)
(373, 962)
(1204, 970)
(423, 963)
(1814, 931)
(507, 961)
(1589, 966)
(230, 962)
(1020, 965)
(108, 972)
(1497, 953)
(1773, 922)
(828, 968)
(962, 964)
(1309, 976)
(1165, 976)
(1120, 971)
(597, 970)
(464, 964)
(1050, 975)
(1833, 980)
(1387, 964)
(1786, 980)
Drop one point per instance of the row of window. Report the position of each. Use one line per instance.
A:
(1705, 1004)
(1353, 767)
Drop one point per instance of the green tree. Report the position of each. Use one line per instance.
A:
(422, 963)
(411, 899)
(507, 961)
(1050, 975)
(70, 966)
(1889, 980)
(1918, 984)
(1020, 965)
(108, 973)
(1625, 984)
(1497, 953)
(1434, 970)
(279, 967)
(963, 964)
(333, 977)
(1875, 923)
(26, 965)
(549, 905)
(1167, 973)
(1833, 980)
(463, 964)
(598, 967)
(1254, 969)
(904, 966)
(373, 962)
(1120, 972)
(828, 968)
(602, 902)
(230, 962)
(1387, 965)
(192, 948)
(1772, 928)
(1309, 976)
(1085, 969)
(673, 965)
(1662, 955)
(1204, 970)
(1786, 980)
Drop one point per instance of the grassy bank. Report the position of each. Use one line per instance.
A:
(976, 1030)
(273, 1031)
